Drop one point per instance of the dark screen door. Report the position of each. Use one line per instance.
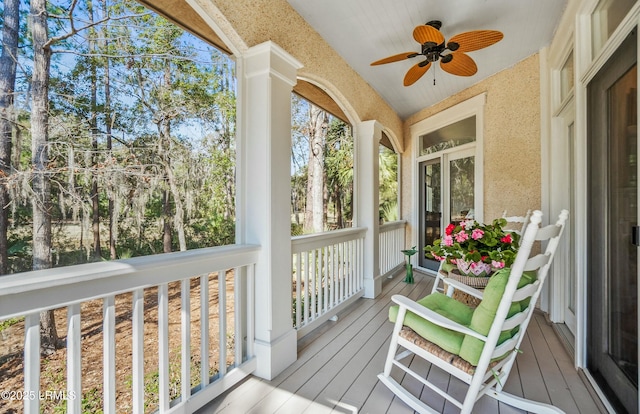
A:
(612, 337)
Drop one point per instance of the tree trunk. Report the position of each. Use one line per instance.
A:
(41, 202)
(166, 225)
(178, 218)
(108, 116)
(8, 64)
(339, 216)
(93, 123)
(165, 156)
(313, 218)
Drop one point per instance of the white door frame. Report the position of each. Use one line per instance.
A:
(463, 110)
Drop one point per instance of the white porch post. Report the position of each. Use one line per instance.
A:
(367, 183)
(264, 193)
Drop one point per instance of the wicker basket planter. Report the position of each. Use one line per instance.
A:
(478, 282)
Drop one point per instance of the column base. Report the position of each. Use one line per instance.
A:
(372, 288)
(276, 356)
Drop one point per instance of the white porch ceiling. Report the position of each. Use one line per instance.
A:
(363, 31)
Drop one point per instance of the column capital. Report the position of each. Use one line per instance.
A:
(269, 58)
(372, 128)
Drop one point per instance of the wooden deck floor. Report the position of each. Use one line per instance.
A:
(338, 363)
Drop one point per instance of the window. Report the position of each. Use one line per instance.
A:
(321, 170)
(605, 19)
(566, 78)
(450, 136)
(388, 195)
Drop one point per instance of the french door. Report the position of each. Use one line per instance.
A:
(612, 284)
(447, 194)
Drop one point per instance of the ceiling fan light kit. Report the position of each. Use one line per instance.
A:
(452, 55)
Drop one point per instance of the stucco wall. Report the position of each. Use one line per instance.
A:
(512, 165)
(261, 20)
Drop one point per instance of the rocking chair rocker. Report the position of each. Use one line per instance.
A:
(478, 346)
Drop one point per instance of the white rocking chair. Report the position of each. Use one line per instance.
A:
(478, 346)
(522, 220)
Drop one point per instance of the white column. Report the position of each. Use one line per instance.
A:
(367, 183)
(267, 75)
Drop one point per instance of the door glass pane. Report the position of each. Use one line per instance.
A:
(461, 173)
(623, 214)
(431, 211)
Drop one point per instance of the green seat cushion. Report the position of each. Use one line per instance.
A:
(446, 339)
(480, 319)
(485, 313)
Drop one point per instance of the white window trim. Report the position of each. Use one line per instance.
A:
(471, 107)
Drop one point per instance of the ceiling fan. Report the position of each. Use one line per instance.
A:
(452, 54)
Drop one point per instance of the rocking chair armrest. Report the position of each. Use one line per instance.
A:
(433, 317)
(465, 288)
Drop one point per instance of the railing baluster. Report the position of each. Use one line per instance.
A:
(352, 276)
(312, 285)
(222, 314)
(360, 263)
(163, 349)
(319, 288)
(239, 306)
(185, 347)
(251, 283)
(204, 330)
(74, 359)
(331, 273)
(305, 290)
(298, 290)
(327, 280)
(340, 269)
(32, 362)
(138, 351)
(109, 354)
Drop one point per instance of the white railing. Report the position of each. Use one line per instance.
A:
(327, 275)
(124, 295)
(392, 241)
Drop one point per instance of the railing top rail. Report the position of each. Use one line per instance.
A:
(43, 289)
(392, 225)
(314, 241)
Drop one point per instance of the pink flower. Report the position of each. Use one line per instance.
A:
(477, 234)
(449, 230)
(497, 265)
(506, 239)
(462, 236)
(439, 258)
(447, 240)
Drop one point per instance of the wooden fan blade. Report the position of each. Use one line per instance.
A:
(460, 64)
(395, 58)
(424, 34)
(415, 73)
(477, 39)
